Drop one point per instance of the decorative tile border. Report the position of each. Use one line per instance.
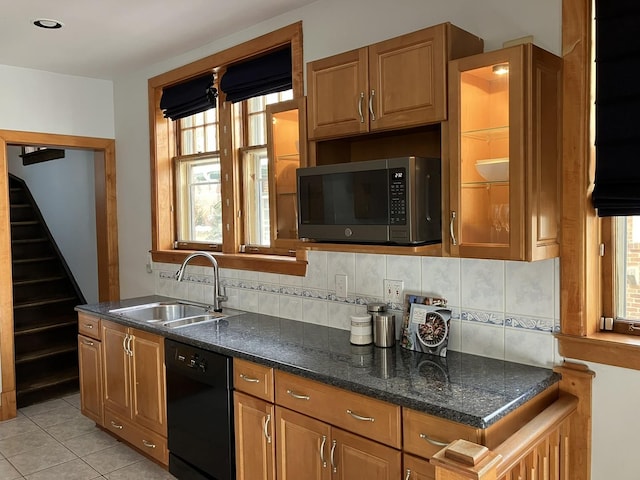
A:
(531, 323)
(489, 318)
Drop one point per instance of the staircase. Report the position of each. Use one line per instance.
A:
(44, 296)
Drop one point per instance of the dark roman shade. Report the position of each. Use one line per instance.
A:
(188, 98)
(617, 180)
(266, 74)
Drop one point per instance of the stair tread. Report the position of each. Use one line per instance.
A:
(25, 222)
(44, 301)
(35, 259)
(46, 352)
(42, 327)
(30, 240)
(34, 384)
(35, 281)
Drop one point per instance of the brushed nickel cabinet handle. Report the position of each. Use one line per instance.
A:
(297, 395)
(249, 379)
(408, 475)
(87, 342)
(88, 325)
(148, 444)
(322, 459)
(333, 451)
(453, 235)
(432, 441)
(115, 425)
(361, 418)
(124, 343)
(373, 115)
(129, 349)
(267, 420)
(360, 107)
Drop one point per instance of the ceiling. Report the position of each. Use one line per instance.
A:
(105, 38)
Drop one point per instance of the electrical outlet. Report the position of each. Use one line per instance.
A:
(393, 291)
(341, 285)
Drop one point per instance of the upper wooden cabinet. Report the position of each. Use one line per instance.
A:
(397, 83)
(505, 145)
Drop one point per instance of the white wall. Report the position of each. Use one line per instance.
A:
(64, 190)
(44, 102)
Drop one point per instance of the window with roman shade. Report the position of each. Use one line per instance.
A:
(270, 73)
(188, 98)
(617, 179)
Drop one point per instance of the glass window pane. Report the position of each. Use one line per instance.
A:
(187, 142)
(199, 200)
(256, 197)
(211, 138)
(628, 267)
(257, 130)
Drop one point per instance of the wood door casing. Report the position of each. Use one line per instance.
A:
(255, 452)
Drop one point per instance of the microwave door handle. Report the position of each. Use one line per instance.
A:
(427, 210)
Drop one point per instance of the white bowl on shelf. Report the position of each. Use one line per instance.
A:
(494, 169)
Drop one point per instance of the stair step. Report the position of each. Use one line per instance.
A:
(46, 301)
(39, 280)
(29, 240)
(45, 326)
(24, 223)
(63, 376)
(46, 353)
(35, 259)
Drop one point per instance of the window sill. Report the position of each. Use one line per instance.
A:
(241, 261)
(614, 349)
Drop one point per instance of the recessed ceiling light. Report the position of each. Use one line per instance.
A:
(48, 23)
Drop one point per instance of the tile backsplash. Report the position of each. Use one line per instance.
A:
(501, 309)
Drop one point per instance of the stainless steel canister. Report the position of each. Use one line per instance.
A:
(384, 329)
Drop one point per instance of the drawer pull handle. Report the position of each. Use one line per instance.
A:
(322, 459)
(432, 441)
(361, 418)
(333, 451)
(249, 379)
(297, 395)
(87, 342)
(88, 325)
(267, 420)
(115, 425)
(408, 477)
(148, 444)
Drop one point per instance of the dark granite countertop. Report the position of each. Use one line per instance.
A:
(469, 389)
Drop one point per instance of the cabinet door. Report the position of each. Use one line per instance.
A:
(407, 80)
(303, 447)
(90, 367)
(116, 372)
(255, 446)
(487, 151)
(337, 95)
(287, 146)
(148, 381)
(416, 468)
(356, 458)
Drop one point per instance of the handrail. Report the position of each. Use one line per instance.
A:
(518, 445)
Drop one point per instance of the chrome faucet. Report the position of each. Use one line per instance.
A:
(218, 295)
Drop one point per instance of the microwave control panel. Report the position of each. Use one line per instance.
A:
(397, 196)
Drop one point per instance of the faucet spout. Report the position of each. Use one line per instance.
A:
(218, 294)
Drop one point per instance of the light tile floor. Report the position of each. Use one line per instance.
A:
(54, 441)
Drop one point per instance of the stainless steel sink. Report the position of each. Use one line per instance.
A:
(162, 311)
(174, 314)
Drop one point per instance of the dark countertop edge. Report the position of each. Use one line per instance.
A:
(396, 399)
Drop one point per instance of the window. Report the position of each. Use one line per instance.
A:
(199, 168)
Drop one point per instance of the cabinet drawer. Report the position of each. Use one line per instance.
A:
(425, 435)
(254, 379)
(145, 441)
(356, 413)
(89, 326)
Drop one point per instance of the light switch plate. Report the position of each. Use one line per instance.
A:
(341, 285)
(393, 291)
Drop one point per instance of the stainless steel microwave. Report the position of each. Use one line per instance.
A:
(387, 201)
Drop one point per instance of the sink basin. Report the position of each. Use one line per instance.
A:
(162, 311)
(174, 314)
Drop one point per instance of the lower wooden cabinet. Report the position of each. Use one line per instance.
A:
(416, 468)
(254, 438)
(90, 369)
(310, 449)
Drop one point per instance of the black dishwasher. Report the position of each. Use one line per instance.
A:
(199, 413)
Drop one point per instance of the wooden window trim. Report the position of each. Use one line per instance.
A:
(584, 276)
(162, 149)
